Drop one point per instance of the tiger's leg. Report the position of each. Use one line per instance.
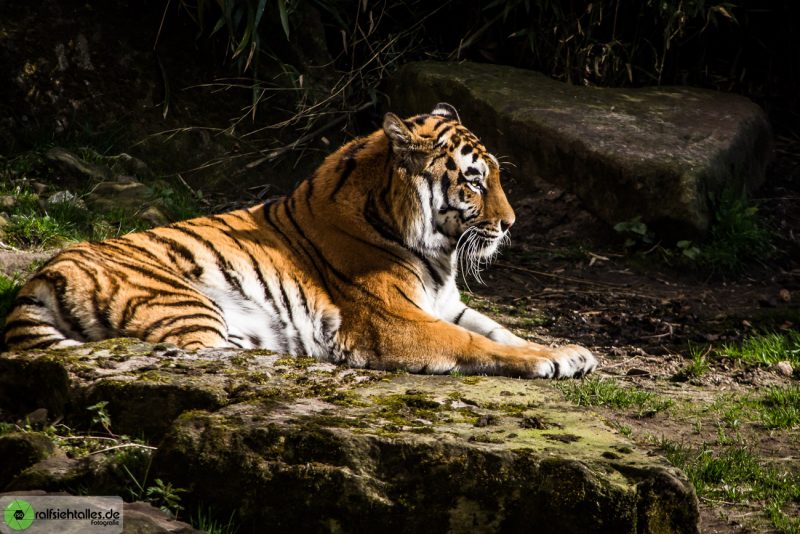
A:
(458, 313)
(424, 344)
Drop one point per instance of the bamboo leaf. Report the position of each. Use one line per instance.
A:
(284, 17)
(262, 4)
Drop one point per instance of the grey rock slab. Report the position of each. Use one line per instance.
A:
(660, 153)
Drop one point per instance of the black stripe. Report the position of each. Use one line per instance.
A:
(177, 332)
(442, 134)
(373, 218)
(349, 167)
(460, 315)
(316, 251)
(22, 338)
(172, 319)
(290, 243)
(223, 264)
(493, 330)
(268, 294)
(29, 301)
(59, 285)
(177, 247)
(310, 190)
(21, 323)
(403, 294)
(288, 306)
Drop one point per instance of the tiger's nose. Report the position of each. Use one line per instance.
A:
(505, 224)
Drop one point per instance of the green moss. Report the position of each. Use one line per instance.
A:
(240, 359)
(155, 377)
(296, 362)
(471, 380)
(410, 409)
(345, 398)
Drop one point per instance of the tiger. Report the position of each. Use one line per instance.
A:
(356, 266)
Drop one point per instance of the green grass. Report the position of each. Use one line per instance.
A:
(204, 519)
(736, 474)
(9, 287)
(780, 408)
(776, 409)
(766, 349)
(737, 237)
(698, 363)
(596, 391)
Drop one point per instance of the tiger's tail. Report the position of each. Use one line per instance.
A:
(34, 323)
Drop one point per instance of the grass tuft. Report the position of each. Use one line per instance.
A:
(595, 391)
(780, 408)
(767, 349)
(698, 364)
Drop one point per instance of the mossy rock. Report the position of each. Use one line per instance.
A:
(407, 456)
(302, 445)
(20, 450)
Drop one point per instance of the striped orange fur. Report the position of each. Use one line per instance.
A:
(357, 265)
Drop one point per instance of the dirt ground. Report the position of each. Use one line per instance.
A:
(567, 277)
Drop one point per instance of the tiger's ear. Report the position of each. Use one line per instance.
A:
(410, 150)
(397, 131)
(443, 109)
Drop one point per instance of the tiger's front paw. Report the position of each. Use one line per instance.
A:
(569, 361)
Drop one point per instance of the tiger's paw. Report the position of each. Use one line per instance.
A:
(569, 361)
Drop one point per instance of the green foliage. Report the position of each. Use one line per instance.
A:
(180, 203)
(165, 496)
(32, 224)
(737, 238)
(606, 42)
(242, 21)
(635, 232)
(766, 349)
(101, 416)
(9, 287)
(735, 474)
(595, 391)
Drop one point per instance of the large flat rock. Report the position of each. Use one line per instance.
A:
(664, 154)
(303, 446)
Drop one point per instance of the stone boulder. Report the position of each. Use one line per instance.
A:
(306, 446)
(20, 450)
(664, 154)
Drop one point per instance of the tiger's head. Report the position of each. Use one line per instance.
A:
(458, 203)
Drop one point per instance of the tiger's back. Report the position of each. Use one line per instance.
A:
(219, 281)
